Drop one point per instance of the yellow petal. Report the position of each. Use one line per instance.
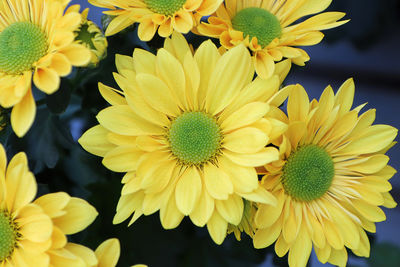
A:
(110, 95)
(338, 257)
(298, 104)
(61, 64)
(244, 179)
(217, 182)
(79, 214)
(95, 141)
(170, 215)
(204, 208)
(144, 61)
(20, 184)
(47, 80)
(370, 212)
(217, 227)
(123, 120)
(245, 140)
(231, 209)
(232, 72)
(86, 254)
(373, 139)
(266, 236)
(108, 253)
(246, 115)
(301, 249)
(260, 158)
(122, 158)
(77, 54)
(206, 56)
(53, 203)
(123, 62)
(119, 23)
(34, 224)
(157, 94)
(267, 215)
(128, 204)
(188, 190)
(146, 30)
(23, 114)
(260, 195)
(171, 72)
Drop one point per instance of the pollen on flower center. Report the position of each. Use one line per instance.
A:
(308, 173)
(21, 45)
(8, 235)
(165, 7)
(194, 138)
(257, 22)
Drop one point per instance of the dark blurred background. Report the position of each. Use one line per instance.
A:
(366, 48)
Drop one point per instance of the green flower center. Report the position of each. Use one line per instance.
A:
(308, 173)
(21, 45)
(257, 22)
(165, 7)
(86, 36)
(8, 235)
(195, 138)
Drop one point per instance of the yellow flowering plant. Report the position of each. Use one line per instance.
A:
(199, 133)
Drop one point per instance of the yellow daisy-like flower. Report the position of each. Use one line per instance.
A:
(164, 15)
(34, 233)
(331, 177)
(91, 36)
(106, 255)
(36, 41)
(189, 131)
(266, 28)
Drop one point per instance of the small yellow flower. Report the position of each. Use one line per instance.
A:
(36, 41)
(34, 233)
(189, 131)
(152, 15)
(91, 36)
(106, 255)
(329, 181)
(267, 28)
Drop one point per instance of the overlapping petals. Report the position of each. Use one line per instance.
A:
(305, 33)
(62, 53)
(339, 219)
(128, 12)
(131, 135)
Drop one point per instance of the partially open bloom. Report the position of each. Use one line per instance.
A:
(34, 233)
(152, 15)
(189, 131)
(91, 36)
(106, 254)
(267, 28)
(329, 181)
(36, 41)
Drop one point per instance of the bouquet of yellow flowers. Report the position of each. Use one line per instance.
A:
(194, 107)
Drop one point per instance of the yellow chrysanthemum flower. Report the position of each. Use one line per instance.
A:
(106, 255)
(188, 130)
(266, 28)
(91, 36)
(36, 41)
(164, 15)
(34, 233)
(331, 177)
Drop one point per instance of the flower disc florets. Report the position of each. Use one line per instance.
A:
(21, 45)
(8, 235)
(194, 138)
(308, 173)
(257, 22)
(165, 7)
